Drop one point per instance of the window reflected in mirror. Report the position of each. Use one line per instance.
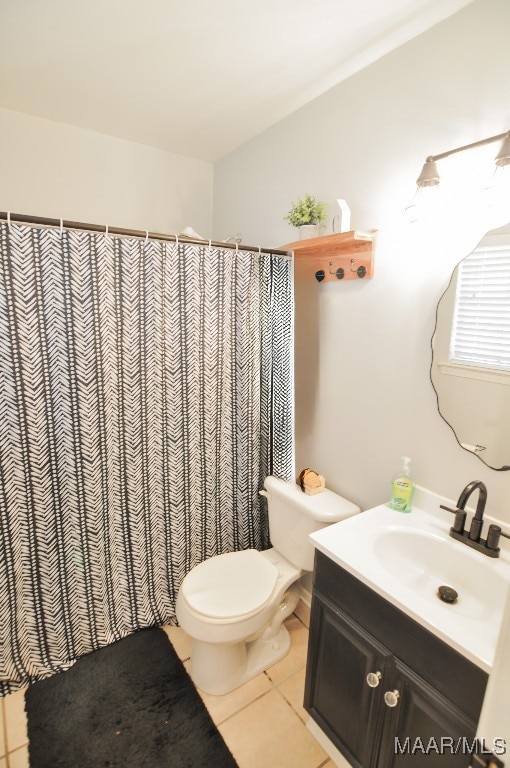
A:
(470, 369)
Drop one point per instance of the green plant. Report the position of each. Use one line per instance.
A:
(306, 210)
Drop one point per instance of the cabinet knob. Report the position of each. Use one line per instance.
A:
(373, 679)
(391, 698)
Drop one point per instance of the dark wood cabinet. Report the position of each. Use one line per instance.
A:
(341, 700)
(384, 690)
(418, 725)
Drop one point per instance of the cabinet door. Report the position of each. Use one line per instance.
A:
(421, 727)
(337, 695)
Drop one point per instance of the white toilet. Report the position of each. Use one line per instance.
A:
(234, 605)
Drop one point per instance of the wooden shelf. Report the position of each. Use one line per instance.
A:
(344, 256)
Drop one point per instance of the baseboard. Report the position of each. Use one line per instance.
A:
(302, 609)
(328, 746)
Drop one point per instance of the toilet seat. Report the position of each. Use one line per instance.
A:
(232, 585)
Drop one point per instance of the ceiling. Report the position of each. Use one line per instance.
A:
(194, 77)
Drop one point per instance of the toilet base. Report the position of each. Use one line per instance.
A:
(218, 669)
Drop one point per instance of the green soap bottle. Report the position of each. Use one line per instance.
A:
(402, 488)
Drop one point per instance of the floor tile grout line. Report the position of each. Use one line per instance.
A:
(287, 677)
(274, 687)
(242, 708)
(291, 705)
(17, 749)
(294, 710)
(324, 761)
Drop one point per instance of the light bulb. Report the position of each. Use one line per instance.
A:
(496, 195)
(422, 205)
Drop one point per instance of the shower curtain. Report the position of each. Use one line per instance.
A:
(145, 393)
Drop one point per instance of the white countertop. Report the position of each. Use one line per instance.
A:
(405, 557)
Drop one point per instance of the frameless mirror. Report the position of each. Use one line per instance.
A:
(470, 369)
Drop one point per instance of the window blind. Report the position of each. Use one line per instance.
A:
(481, 321)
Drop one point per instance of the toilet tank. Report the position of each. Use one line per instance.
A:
(293, 515)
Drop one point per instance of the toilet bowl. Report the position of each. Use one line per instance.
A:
(233, 605)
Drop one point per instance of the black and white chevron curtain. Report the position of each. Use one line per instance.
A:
(145, 393)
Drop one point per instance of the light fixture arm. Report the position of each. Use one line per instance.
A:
(481, 143)
(429, 176)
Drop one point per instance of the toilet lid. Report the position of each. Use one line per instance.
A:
(230, 585)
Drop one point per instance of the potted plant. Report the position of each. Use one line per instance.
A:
(306, 214)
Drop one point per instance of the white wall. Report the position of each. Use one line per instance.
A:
(364, 396)
(55, 170)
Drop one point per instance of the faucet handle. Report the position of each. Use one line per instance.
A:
(493, 536)
(460, 518)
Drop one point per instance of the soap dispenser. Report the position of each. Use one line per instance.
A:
(402, 488)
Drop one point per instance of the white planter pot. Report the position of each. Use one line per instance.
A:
(306, 231)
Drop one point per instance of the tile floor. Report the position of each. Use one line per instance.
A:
(263, 721)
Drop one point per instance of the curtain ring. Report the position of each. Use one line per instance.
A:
(106, 232)
(260, 251)
(9, 219)
(177, 240)
(210, 243)
(61, 228)
(146, 237)
(237, 247)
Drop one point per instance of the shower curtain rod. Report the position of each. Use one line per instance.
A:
(22, 218)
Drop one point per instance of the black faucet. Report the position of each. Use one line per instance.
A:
(473, 537)
(477, 521)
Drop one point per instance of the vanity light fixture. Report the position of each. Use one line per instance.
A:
(429, 176)
(424, 202)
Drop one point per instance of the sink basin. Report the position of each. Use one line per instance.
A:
(405, 557)
(425, 561)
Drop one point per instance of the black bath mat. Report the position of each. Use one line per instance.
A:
(130, 705)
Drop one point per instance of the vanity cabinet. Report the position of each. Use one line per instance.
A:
(374, 675)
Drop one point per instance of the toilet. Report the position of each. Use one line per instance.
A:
(233, 605)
